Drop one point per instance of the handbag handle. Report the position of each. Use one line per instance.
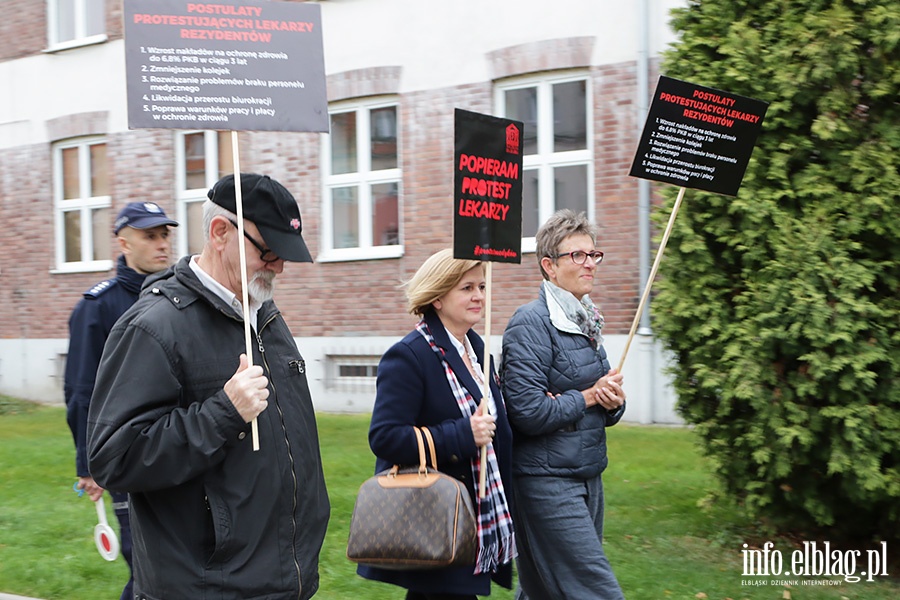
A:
(430, 439)
(423, 465)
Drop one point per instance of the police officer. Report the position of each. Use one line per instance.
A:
(142, 230)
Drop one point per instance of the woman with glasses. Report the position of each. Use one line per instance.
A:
(561, 394)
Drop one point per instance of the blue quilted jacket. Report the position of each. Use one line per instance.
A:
(553, 436)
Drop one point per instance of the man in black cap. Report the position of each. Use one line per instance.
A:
(142, 230)
(171, 412)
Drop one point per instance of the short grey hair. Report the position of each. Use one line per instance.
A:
(561, 225)
(212, 210)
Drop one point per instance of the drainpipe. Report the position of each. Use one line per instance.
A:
(643, 66)
(647, 409)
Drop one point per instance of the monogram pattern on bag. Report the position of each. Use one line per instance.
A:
(407, 529)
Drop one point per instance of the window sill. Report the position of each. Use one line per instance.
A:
(351, 254)
(78, 43)
(83, 267)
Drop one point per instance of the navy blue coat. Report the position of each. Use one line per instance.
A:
(89, 325)
(412, 390)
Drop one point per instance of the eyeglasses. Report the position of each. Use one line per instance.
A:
(579, 257)
(265, 254)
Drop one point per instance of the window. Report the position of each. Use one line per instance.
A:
(355, 371)
(81, 196)
(557, 147)
(202, 158)
(361, 212)
(351, 373)
(75, 22)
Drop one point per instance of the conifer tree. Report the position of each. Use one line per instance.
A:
(781, 306)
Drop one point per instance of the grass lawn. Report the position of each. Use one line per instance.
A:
(661, 543)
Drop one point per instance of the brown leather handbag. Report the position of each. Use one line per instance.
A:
(413, 518)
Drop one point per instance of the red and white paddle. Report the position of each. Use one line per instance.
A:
(104, 536)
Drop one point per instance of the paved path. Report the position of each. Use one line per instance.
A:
(11, 597)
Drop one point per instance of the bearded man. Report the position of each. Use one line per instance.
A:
(170, 417)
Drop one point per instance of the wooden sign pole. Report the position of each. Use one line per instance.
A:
(647, 286)
(485, 407)
(245, 296)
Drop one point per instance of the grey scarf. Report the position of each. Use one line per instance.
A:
(581, 316)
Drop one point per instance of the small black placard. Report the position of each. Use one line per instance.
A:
(698, 137)
(487, 202)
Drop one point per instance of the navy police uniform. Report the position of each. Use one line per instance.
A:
(89, 326)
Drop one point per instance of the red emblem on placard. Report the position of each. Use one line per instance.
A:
(295, 223)
(512, 139)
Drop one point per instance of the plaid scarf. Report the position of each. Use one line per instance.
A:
(496, 538)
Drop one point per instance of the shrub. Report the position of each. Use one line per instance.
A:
(782, 306)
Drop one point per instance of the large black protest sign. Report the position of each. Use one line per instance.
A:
(487, 222)
(251, 66)
(698, 137)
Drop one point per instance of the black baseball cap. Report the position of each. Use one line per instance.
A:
(142, 215)
(271, 208)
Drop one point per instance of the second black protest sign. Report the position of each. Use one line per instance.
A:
(487, 221)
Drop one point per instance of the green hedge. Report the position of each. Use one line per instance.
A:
(782, 306)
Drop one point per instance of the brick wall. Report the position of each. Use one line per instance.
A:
(18, 35)
(617, 288)
(355, 298)
(351, 299)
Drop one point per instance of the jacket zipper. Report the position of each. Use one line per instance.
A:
(262, 351)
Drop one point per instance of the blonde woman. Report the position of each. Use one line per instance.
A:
(433, 377)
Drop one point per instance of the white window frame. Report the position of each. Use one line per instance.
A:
(185, 196)
(335, 382)
(85, 203)
(546, 160)
(80, 13)
(363, 178)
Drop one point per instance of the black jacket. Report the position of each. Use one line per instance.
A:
(211, 518)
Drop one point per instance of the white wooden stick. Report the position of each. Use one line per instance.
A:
(485, 407)
(649, 284)
(245, 297)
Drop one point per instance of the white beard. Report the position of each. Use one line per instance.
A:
(261, 286)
